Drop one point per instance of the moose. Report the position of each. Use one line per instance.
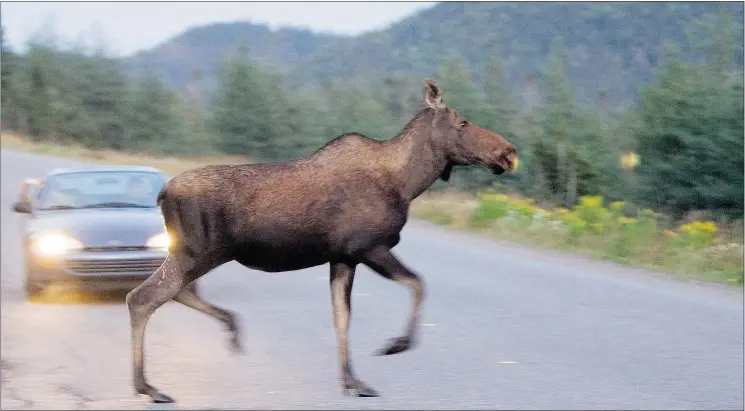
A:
(345, 205)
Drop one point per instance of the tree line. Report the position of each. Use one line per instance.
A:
(686, 127)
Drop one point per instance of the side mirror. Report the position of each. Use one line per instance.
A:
(22, 207)
(29, 190)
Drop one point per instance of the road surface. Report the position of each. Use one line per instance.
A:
(505, 327)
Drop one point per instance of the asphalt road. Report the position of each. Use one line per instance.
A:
(505, 327)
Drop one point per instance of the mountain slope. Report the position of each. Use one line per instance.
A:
(613, 47)
(197, 52)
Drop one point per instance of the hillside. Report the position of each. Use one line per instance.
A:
(611, 47)
(196, 53)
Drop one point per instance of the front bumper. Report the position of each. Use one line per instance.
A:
(98, 269)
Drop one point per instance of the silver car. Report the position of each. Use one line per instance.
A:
(94, 227)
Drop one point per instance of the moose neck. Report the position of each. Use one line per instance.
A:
(416, 157)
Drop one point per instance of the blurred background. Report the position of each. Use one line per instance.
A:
(628, 121)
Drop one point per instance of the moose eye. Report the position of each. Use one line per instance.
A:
(463, 124)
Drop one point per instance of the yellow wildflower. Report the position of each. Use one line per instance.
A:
(591, 201)
(707, 227)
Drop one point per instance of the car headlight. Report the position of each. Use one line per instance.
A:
(52, 244)
(161, 241)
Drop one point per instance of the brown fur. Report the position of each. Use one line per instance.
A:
(345, 204)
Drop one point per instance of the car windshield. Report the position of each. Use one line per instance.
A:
(101, 189)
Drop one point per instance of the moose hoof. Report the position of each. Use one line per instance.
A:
(358, 389)
(234, 342)
(155, 396)
(161, 398)
(395, 346)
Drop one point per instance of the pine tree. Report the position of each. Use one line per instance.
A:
(39, 104)
(499, 97)
(559, 118)
(690, 140)
(247, 110)
(153, 121)
(9, 103)
(500, 103)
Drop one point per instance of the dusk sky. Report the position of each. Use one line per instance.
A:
(129, 27)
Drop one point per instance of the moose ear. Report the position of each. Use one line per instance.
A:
(433, 95)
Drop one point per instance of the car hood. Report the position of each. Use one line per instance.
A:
(102, 227)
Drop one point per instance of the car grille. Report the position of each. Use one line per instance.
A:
(131, 248)
(119, 267)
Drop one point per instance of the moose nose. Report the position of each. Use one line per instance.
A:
(515, 162)
(512, 162)
(509, 160)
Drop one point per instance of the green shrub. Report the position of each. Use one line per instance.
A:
(619, 232)
(698, 234)
(491, 207)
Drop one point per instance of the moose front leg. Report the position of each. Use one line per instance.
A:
(382, 261)
(341, 279)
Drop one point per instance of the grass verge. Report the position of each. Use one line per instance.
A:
(632, 241)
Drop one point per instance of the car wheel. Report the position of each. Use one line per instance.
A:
(33, 290)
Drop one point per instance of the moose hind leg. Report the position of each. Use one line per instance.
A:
(341, 279)
(142, 302)
(188, 297)
(382, 261)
